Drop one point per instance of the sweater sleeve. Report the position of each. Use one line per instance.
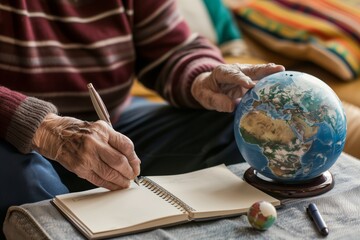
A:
(20, 116)
(169, 56)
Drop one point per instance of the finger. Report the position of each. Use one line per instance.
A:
(109, 174)
(233, 91)
(118, 152)
(132, 157)
(259, 71)
(100, 182)
(124, 145)
(217, 101)
(231, 74)
(115, 160)
(135, 164)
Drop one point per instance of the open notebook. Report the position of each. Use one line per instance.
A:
(160, 201)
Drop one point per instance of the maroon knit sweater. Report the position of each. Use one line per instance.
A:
(51, 49)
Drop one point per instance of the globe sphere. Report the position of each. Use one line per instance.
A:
(261, 215)
(291, 127)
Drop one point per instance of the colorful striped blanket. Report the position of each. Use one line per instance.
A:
(325, 32)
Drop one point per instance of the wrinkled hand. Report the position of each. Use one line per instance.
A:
(92, 150)
(220, 89)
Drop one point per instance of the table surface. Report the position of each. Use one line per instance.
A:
(339, 208)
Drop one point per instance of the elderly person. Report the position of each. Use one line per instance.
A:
(51, 142)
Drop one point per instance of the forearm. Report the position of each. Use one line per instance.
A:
(20, 116)
(169, 60)
(175, 76)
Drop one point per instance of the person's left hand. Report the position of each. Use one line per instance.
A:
(220, 89)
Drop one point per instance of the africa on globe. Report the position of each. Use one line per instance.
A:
(291, 127)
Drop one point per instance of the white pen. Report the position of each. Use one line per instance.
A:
(101, 110)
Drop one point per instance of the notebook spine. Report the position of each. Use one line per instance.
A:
(166, 195)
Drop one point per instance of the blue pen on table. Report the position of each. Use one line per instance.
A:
(102, 111)
(315, 215)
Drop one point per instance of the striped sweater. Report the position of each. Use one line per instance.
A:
(51, 49)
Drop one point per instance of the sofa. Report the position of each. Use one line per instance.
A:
(243, 39)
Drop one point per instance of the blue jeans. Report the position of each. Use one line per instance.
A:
(167, 140)
(25, 178)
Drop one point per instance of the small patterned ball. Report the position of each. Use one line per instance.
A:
(262, 215)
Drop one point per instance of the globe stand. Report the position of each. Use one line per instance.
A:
(313, 187)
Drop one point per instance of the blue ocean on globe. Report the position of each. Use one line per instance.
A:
(291, 127)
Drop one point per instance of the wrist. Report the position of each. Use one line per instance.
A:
(196, 84)
(40, 133)
(202, 76)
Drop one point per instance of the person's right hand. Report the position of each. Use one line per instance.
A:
(92, 150)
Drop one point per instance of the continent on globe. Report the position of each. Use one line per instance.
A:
(258, 128)
(290, 127)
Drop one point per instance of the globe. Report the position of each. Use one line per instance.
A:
(291, 127)
(261, 215)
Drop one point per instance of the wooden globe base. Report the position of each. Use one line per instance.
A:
(313, 187)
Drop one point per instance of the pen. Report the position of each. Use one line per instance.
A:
(315, 215)
(101, 110)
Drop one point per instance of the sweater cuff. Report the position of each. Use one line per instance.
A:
(25, 122)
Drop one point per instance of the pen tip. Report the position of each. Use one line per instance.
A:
(324, 231)
(136, 180)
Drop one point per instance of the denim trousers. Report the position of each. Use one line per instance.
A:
(167, 140)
